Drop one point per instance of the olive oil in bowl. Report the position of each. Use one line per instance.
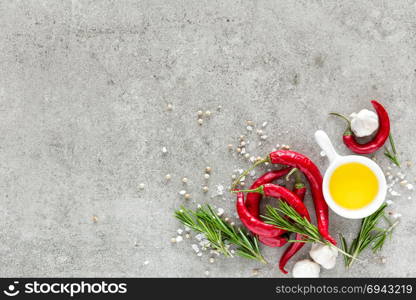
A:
(353, 185)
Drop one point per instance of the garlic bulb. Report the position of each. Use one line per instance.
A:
(306, 269)
(364, 123)
(324, 255)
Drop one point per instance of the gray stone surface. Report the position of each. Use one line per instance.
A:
(84, 87)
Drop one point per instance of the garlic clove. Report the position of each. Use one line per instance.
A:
(364, 123)
(306, 269)
(324, 255)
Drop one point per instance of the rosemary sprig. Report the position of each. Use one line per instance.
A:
(220, 233)
(298, 224)
(392, 155)
(370, 235)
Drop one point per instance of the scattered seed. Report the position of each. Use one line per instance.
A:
(264, 124)
(232, 223)
(205, 189)
(208, 113)
(195, 248)
(220, 211)
(259, 132)
(233, 176)
(208, 169)
(141, 186)
(146, 262)
(395, 194)
(255, 272)
(169, 107)
(242, 144)
(168, 177)
(212, 260)
(184, 180)
(206, 176)
(230, 147)
(95, 219)
(250, 123)
(199, 254)
(180, 231)
(286, 147)
(247, 155)
(173, 240)
(264, 137)
(164, 150)
(182, 192)
(242, 137)
(249, 128)
(188, 236)
(238, 149)
(206, 272)
(396, 215)
(200, 121)
(187, 196)
(179, 239)
(200, 113)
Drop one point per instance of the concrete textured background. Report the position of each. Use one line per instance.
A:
(84, 87)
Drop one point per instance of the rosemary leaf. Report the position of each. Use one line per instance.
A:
(370, 235)
(220, 233)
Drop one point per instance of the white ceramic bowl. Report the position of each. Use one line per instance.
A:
(336, 160)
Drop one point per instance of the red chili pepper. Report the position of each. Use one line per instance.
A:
(280, 192)
(254, 224)
(253, 204)
(300, 191)
(253, 199)
(379, 139)
(276, 241)
(312, 173)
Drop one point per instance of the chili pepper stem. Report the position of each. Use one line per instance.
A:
(246, 172)
(290, 173)
(259, 190)
(298, 178)
(348, 130)
(342, 117)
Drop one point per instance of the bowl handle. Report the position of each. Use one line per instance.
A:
(325, 143)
